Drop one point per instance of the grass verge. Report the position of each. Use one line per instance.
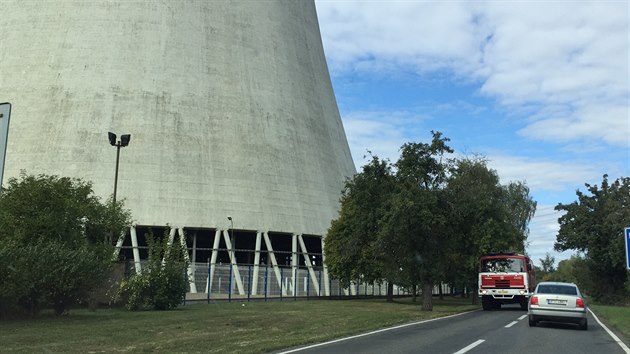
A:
(255, 327)
(618, 317)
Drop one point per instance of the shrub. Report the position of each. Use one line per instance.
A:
(162, 285)
(55, 243)
(11, 278)
(49, 274)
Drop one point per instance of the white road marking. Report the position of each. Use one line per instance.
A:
(610, 333)
(373, 332)
(522, 317)
(464, 350)
(511, 324)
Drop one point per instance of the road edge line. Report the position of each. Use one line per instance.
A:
(372, 332)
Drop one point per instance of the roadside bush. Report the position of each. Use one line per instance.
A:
(49, 275)
(55, 243)
(162, 285)
(70, 274)
(11, 279)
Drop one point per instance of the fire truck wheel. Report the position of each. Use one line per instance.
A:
(524, 305)
(486, 303)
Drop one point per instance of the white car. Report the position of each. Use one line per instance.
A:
(557, 302)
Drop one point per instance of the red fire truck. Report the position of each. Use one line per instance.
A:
(505, 278)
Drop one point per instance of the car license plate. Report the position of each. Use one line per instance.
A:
(503, 291)
(556, 302)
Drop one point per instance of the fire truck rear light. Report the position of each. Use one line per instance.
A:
(535, 300)
(579, 303)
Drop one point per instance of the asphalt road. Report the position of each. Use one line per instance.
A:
(504, 331)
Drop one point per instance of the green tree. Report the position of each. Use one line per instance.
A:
(594, 226)
(485, 215)
(520, 208)
(34, 208)
(474, 197)
(548, 263)
(53, 243)
(426, 223)
(548, 268)
(352, 248)
(572, 270)
(415, 227)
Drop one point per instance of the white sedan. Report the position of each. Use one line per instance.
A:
(557, 302)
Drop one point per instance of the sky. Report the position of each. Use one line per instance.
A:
(539, 88)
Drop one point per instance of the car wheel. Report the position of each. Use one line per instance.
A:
(532, 323)
(584, 325)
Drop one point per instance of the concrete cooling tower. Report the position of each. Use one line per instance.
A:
(230, 109)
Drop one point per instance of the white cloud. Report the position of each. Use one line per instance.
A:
(543, 230)
(560, 69)
(563, 66)
(381, 133)
(395, 33)
(542, 175)
(609, 123)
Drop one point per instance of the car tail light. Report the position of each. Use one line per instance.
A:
(535, 300)
(579, 303)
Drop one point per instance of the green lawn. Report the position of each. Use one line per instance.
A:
(617, 317)
(215, 328)
(230, 327)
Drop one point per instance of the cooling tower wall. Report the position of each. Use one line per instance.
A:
(229, 106)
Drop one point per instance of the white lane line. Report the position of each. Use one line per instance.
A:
(464, 350)
(610, 333)
(373, 332)
(522, 317)
(511, 324)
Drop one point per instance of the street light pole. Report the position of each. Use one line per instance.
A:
(124, 141)
(232, 233)
(116, 174)
(5, 113)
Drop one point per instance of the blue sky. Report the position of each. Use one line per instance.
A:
(541, 89)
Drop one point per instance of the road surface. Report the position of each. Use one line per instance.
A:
(477, 332)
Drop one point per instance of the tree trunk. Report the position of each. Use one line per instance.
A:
(33, 306)
(427, 297)
(414, 293)
(59, 306)
(390, 292)
(441, 292)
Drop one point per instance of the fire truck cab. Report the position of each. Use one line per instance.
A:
(505, 278)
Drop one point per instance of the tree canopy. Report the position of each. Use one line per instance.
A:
(354, 252)
(53, 208)
(593, 225)
(425, 219)
(415, 224)
(486, 217)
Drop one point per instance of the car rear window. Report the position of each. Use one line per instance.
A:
(557, 289)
